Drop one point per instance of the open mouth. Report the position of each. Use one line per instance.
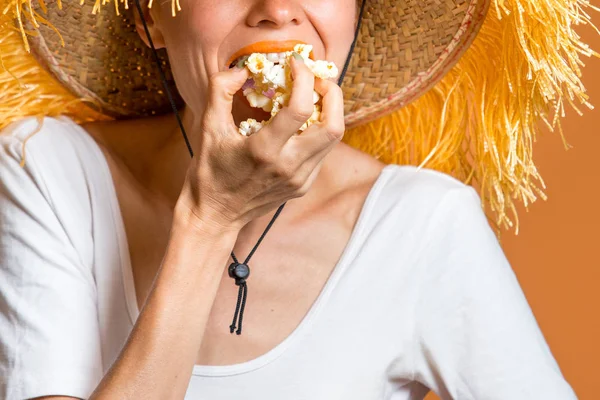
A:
(268, 89)
(274, 50)
(253, 100)
(242, 110)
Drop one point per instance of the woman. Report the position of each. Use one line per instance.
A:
(374, 282)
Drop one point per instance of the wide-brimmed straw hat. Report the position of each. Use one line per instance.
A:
(455, 85)
(404, 47)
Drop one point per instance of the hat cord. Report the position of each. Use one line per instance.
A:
(238, 271)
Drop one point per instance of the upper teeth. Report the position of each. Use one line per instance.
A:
(273, 57)
(276, 57)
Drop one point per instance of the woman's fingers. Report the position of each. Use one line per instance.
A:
(329, 130)
(300, 107)
(305, 153)
(221, 89)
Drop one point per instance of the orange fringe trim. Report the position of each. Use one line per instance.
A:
(480, 121)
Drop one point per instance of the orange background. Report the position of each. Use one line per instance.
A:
(556, 254)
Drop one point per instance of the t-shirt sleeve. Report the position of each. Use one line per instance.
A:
(476, 335)
(49, 333)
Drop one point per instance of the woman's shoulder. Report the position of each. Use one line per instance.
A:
(50, 160)
(54, 154)
(410, 203)
(395, 198)
(53, 141)
(433, 211)
(25, 127)
(416, 189)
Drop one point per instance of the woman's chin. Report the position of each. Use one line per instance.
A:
(242, 110)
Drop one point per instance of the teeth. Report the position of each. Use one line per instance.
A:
(273, 57)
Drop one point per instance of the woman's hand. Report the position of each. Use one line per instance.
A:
(232, 178)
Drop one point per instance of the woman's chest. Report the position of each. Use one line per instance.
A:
(288, 271)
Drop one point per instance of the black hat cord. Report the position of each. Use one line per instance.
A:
(238, 271)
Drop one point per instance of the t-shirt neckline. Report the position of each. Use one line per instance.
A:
(234, 369)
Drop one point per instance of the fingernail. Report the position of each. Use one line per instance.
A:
(240, 64)
(297, 56)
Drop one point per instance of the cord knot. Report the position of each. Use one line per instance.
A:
(240, 273)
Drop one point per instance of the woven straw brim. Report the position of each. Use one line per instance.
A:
(404, 48)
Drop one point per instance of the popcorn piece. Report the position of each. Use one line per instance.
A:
(275, 76)
(275, 109)
(309, 63)
(304, 50)
(282, 98)
(257, 100)
(324, 69)
(257, 63)
(250, 126)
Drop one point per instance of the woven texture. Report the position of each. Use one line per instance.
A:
(102, 59)
(404, 47)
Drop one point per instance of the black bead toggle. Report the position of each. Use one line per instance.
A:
(239, 272)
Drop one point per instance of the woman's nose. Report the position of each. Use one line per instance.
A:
(275, 13)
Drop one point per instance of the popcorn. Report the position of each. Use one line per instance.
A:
(284, 98)
(275, 77)
(275, 109)
(250, 126)
(303, 49)
(258, 100)
(257, 63)
(271, 84)
(324, 69)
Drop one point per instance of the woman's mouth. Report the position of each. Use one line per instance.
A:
(269, 87)
(274, 50)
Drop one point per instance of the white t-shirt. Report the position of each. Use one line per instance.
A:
(422, 297)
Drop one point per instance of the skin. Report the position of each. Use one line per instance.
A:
(184, 216)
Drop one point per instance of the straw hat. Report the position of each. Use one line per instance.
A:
(453, 85)
(404, 47)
